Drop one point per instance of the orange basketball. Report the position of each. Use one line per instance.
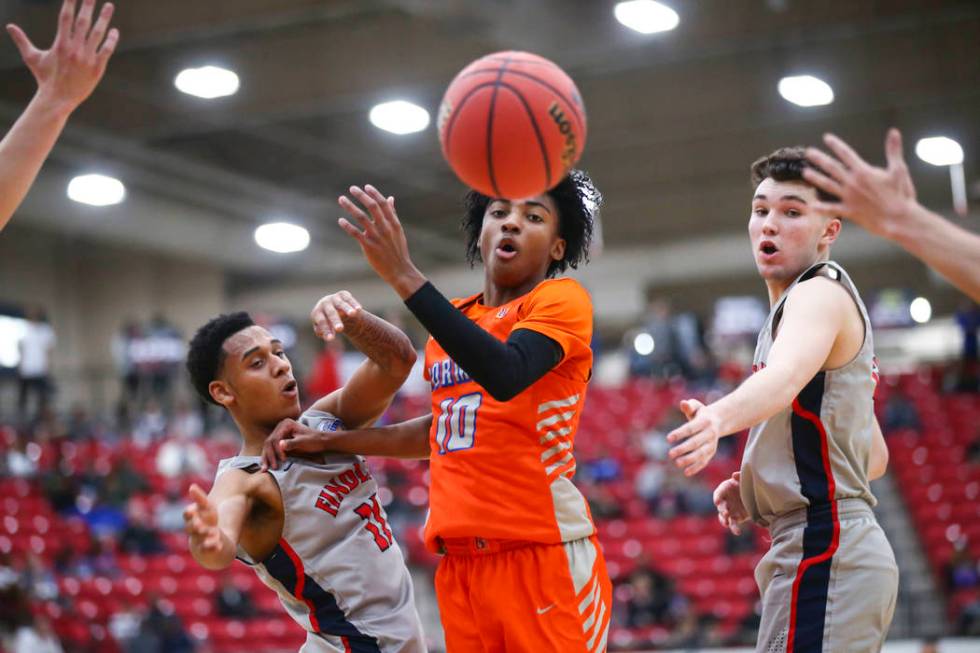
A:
(512, 124)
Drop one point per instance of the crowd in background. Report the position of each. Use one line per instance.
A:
(125, 513)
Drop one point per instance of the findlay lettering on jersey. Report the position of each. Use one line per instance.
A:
(339, 486)
(445, 373)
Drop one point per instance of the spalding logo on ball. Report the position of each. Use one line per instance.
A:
(512, 124)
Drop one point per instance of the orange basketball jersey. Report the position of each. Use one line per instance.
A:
(502, 470)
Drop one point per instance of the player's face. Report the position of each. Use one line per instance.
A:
(787, 234)
(520, 239)
(257, 379)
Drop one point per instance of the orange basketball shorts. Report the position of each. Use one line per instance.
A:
(505, 596)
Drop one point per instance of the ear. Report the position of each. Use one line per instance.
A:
(831, 231)
(221, 392)
(558, 249)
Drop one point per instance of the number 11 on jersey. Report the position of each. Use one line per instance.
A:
(456, 428)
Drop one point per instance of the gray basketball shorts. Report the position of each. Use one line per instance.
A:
(828, 583)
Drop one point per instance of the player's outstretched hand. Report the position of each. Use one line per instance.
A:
(879, 199)
(291, 438)
(330, 313)
(728, 501)
(696, 442)
(201, 522)
(381, 238)
(69, 70)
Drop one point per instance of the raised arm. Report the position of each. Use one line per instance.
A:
(813, 317)
(214, 521)
(390, 359)
(883, 201)
(503, 369)
(66, 75)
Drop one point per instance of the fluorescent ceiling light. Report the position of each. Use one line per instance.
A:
(939, 151)
(643, 344)
(920, 309)
(806, 91)
(646, 16)
(399, 117)
(97, 190)
(282, 237)
(207, 82)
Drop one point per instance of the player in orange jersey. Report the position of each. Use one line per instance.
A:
(522, 569)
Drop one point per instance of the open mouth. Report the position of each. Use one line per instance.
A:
(506, 249)
(768, 247)
(289, 388)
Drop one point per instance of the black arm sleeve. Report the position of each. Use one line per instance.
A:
(504, 369)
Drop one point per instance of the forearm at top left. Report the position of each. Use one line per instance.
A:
(383, 343)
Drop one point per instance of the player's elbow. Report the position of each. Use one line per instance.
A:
(404, 362)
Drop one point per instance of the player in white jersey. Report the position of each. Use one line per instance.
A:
(313, 529)
(829, 580)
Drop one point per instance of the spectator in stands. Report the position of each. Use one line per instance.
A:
(653, 599)
(602, 470)
(186, 423)
(744, 542)
(962, 571)
(167, 343)
(121, 484)
(232, 601)
(19, 462)
(139, 535)
(968, 623)
(900, 412)
(968, 319)
(38, 580)
(930, 645)
(602, 502)
(649, 482)
(34, 371)
(169, 515)
(162, 632)
(180, 456)
(38, 637)
(973, 449)
(151, 425)
(14, 605)
(126, 365)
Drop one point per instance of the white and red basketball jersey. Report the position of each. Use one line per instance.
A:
(337, 568)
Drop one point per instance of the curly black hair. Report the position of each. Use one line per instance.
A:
(578, 202)
(206, 352)
(787, 164)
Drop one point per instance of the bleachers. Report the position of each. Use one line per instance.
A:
(940, 487)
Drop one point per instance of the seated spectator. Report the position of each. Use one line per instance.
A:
(38, 637)
(162, 632)
(744, 542)
(139, 536)
(151, 425)
(233, 602)
(968, 623)
(169, 515)
(187, 423)
(900, 413)
(653, 599)
(37, 579)
(20, 462)
(961, 571)
(602, 503)
(180, 456)
(602, 470)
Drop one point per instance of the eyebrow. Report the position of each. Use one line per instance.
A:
(795, 198)
(257, 347)
(527, 202)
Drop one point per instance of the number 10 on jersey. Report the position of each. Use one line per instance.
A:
(456, 428)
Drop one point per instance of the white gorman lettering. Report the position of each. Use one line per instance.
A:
(339, 486)
(446, 373)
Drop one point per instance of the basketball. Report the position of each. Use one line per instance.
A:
(512, 124)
